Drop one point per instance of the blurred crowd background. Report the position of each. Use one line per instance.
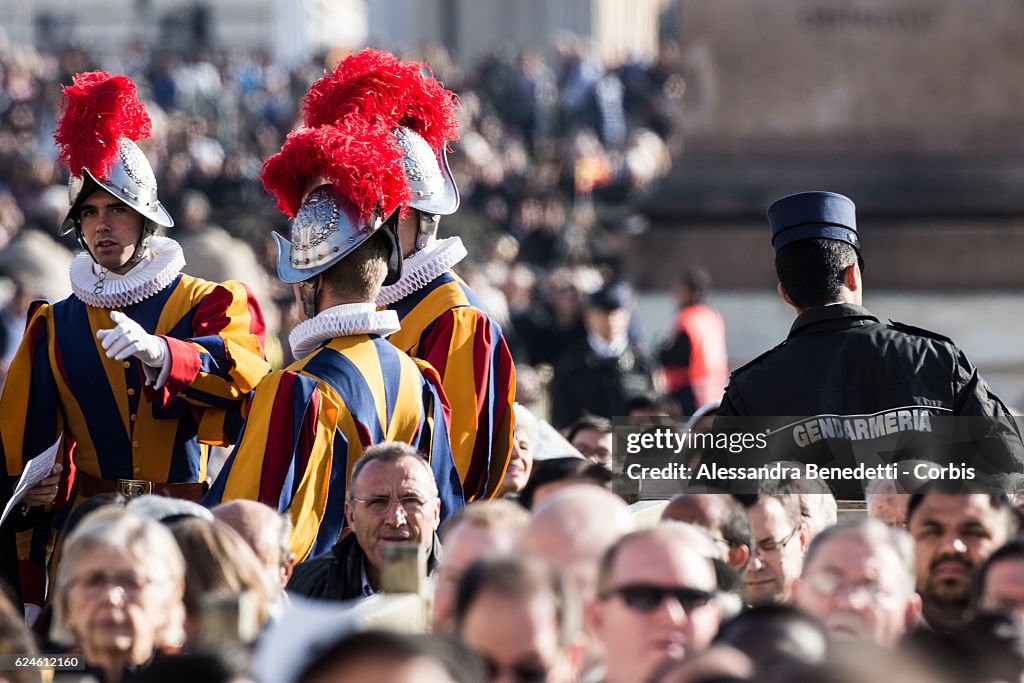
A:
(572, 163)
(552, 155)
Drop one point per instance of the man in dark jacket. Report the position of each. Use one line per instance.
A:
(841, 374)
(599, 374)
(392, 497)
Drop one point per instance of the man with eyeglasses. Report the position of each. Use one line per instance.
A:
(818, 506)
(858, 580)
(655, 603)
(392, 498)
(780, 539)
(522, 616)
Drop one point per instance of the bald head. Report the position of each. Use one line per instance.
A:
(573, 528)
(697, 538)
(483, 529)
(265, 531)
(702, 509)
(723, 517)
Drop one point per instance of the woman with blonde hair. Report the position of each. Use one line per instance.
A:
(221, 565)
(118, 593)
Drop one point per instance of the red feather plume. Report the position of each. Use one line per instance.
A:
(377, 87)
(99, 110)
(364, 163)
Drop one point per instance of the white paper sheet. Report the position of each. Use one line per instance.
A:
(36, 469)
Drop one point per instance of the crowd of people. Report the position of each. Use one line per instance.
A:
(925, 588)
(378, 448)
(548, 161)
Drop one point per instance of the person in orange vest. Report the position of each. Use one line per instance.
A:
(694, 359)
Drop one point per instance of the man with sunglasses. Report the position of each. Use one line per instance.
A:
(392, 498)
(656, 602)
(780, 541)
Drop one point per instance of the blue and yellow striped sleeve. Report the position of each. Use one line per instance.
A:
(216, 344)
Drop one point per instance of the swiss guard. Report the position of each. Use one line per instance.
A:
(140, 367)
(442, 320)
(345, 188)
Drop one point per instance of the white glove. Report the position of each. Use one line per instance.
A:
(129, 339)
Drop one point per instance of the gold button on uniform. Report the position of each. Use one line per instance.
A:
(127, 364)
(131, 392)
(137, 470)
(135, 444)
(133, 417)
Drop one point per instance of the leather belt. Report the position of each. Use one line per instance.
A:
(88, 485)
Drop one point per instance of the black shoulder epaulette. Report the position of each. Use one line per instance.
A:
(920, 331)
(758, 359)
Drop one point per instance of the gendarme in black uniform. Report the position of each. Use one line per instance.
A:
(842, 373)
(840, 359)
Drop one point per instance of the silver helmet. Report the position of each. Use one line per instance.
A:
(358, 190)
(325, 230)
(130, 179)
(432, 188)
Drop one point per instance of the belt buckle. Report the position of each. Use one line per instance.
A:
(133, 488)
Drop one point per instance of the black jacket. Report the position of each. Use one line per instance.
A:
(585, 382)
(337, 574)
(839, 360)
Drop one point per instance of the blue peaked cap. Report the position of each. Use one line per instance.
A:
(810, 215)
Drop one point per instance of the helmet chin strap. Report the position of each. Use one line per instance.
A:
(142, 246)
(308, 290)
(426, 228)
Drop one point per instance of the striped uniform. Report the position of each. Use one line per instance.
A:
(308, 425)
(115, 427)
(445, 324)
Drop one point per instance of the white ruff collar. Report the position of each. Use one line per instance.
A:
(102, 288)
(422, 268)
(341, 321)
